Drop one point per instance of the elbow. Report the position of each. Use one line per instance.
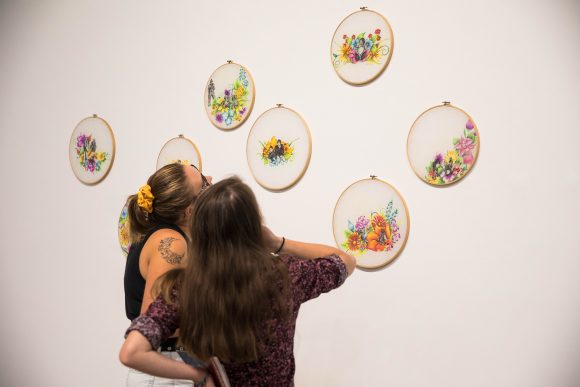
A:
(126, 356)
(133, 349)
(352, 264)
(349, 261)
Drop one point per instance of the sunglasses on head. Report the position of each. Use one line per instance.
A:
(205, 183)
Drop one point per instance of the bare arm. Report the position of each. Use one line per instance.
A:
(307, 250)
(137, 353)
(166, 249)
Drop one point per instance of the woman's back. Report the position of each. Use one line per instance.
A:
(276, 366)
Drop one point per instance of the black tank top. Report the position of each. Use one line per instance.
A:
(134, 282)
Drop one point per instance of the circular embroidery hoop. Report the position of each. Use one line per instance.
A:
(179, 149)
(279, 147)
(123, 229)
(229, 96)
(442, 145)
(361, 47)
(92, 150)
(371, 221)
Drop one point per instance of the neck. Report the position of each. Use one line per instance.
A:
(185, 229)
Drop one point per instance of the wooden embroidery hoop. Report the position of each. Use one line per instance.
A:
(446, 104)
(180, 137)
(250, 107)
(389, 55)
(306, 164)
(72, 144)
(403, 241)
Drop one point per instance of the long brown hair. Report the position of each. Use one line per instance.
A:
(173, 194)
(231, 284)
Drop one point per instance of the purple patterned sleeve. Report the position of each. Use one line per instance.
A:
(159, 321)
(312, 277)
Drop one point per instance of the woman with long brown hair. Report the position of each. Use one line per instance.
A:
(235, 299)
(158, 226)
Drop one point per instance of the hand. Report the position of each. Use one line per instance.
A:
(207, 382)
(271, 241)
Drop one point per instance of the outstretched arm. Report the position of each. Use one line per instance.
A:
(306, 250)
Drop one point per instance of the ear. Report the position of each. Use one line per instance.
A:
(188, 211)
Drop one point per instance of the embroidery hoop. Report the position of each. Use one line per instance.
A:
(388, 55)
(418, 167)
(104, 129)
(179, 155)
(250, 106)
(123, 227)
(250, 150)
(339, 229)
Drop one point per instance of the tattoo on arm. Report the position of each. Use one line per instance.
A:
(166, 252)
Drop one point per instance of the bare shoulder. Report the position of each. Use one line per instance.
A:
(167, 244)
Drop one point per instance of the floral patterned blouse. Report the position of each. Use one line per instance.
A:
(275, 367)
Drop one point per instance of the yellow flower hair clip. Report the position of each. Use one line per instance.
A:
(145, 198)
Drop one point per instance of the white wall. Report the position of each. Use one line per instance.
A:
(487, 291)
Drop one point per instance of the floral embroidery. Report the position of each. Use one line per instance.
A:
(89, 158)
(277, 152)
(445, 169)
(124, 230)
(361, 48)
(179, 161)
(233, 104)
(378, 232)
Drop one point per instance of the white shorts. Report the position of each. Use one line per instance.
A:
(139, 379)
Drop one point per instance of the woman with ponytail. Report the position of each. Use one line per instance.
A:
(159, 215)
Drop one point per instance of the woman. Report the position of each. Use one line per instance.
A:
(158, 218)
(234, 300)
